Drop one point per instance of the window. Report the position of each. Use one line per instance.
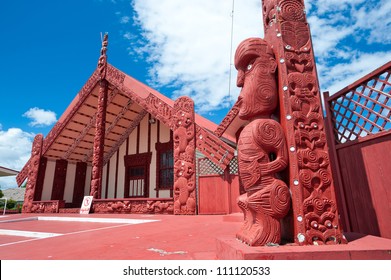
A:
(137, 175)
(136, 181)
(165, 166)
(166, 170)
(137, 171)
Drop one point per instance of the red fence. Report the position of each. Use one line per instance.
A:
(359, 132)
(218, 189)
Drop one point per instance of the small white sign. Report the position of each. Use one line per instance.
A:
(86, 205)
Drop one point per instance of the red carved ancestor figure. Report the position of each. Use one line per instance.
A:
(184, 156)
(261, 146)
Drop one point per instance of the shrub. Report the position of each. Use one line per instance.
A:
(11, 204)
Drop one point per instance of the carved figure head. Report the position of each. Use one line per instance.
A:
(302, 85)
(256, 66)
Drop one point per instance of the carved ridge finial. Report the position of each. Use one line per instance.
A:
(102, 63)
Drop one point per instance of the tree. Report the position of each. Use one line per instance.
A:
(11, 204)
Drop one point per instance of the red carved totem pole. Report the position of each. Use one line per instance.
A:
(261, 146)
(184, 156)
(315, 214)
(33, 169)
(99, 139)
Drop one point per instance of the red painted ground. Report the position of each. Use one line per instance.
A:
(170, 238)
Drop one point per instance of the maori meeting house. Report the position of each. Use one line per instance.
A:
(303, 176)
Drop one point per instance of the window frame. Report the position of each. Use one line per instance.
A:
(162, 148)
(137, 160)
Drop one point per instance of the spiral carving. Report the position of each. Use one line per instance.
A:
(329, 215)
(280, 200)
(319, 205)
(305, 177)
(270, 134)
(325, 177)
(267, 97)
(292, 10)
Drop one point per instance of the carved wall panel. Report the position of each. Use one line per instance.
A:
(33, 171)
(183, 127)
(311, 183)
(133, 206)
(47, 206)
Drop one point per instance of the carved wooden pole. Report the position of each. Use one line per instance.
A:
(184, 156)
(262, 151)
(33, 171)
(99, 139)
(315, 213)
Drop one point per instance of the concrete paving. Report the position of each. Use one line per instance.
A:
(111, 237)
(157, 237)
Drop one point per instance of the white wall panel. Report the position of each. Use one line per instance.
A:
(70, 182)
(48, 181)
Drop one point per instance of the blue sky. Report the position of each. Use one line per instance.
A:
(50, 48)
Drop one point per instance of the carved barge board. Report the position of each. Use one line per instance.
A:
(33, 171)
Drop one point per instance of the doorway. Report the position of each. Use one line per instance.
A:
(137, 175)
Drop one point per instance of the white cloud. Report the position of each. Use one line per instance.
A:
(376, 19)
(341, 75)
(331, 6)
(351, 38)
(326, 35)
(128, 36)
(188, 44)
(15, 150)
(40, 117)
(124, 19)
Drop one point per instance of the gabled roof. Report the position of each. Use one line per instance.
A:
(129, 100)
(7, 172)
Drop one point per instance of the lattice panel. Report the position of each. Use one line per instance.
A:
(207, 167)
(364, 109)
(234, 166)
